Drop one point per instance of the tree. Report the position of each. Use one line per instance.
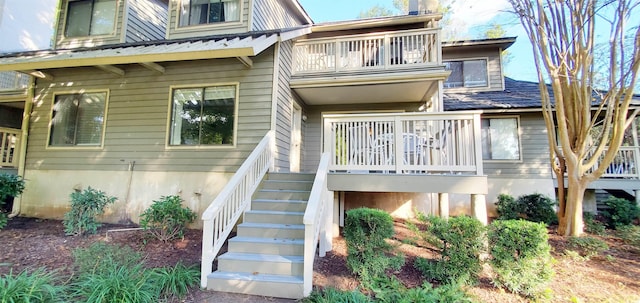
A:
(376, 11)
(495, 31)
(585, 126)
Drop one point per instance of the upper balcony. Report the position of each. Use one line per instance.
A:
(394, 66)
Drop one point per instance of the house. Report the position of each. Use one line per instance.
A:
(246, 109)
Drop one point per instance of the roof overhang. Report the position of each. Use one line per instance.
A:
(375, 22)
(502, 43)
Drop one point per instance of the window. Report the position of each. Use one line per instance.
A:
(500, 139)
(203, 116)
(90, 18)
(468, 73)
(78, 119)
(195, 12)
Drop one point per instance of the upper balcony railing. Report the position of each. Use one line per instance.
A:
(10, 81)
(405, 143)
(376, 51)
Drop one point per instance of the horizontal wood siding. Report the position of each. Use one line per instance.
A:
(147, 20)
(74, 42)
(138, 105)
(284, 109)
(175, 32)
(273, 14)
(493, 66)
(535, 152)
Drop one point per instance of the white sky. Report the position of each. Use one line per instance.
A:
(26, 24)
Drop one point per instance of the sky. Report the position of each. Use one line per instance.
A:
(26, 24)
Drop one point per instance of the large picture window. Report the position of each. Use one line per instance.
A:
(203, 116)
(468, 73)
(195, 12)
(500, 139)
(90, 18)
(78, 119)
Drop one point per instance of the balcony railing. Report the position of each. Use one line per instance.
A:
(13, 81)
(377, 51)
(624, 165)
(411, 143)
(9, 143)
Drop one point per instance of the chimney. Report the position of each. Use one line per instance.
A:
(421, 7)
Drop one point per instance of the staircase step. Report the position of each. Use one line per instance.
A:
(273, 216)
(271, 246)
(291, 176)
(281, 205)
(263, 285)
(287, 184)
(282, 194)
(271, 230)
(261, 264)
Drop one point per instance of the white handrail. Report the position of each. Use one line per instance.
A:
(317, 222)
(223, 213)
(624, 165)
(9, 144)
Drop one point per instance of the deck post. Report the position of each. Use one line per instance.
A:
(479, 208)
(443, 203)
(637, 192)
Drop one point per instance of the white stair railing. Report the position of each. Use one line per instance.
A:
(223, 213)
(317, 222)
(9, 143)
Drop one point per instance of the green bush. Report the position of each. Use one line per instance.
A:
(507, 207)
(175, 281)
(592, 225)
(460, 241)
(587, 246)
(520, 255)
(332, 295)
(538, 208)
(630, 234)
(100, 258)
(38, 286)
(391, 290)
(118, 284)
(619, 212)
(10, 186)
(86, 206)
(369, 255)
(166, 219)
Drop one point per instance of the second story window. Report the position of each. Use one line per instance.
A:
(468, 73)
(195, 12)
(90, 18)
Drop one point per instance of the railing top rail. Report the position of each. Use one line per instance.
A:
(316, 190)
(437, 115)
(369, 35)
(10, 130)
(228, 189)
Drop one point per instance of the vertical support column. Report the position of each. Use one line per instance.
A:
(337, 216)
(479, 208)
(443, 203)
(638, 197)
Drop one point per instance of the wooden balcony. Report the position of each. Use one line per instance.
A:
(410, 152)
(406, 63)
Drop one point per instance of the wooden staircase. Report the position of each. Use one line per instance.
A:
(266, 256)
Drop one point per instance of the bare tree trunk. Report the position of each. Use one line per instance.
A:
(570, 224)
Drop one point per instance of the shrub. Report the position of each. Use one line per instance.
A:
(391, 290)
(538, 208)
(619, 212)
(332, 295)
(100, 258)
(38, 286)
(86, 206)
(369, 255)
(587, 246)
(507, 207)
(521, 256)
(10, 186)
(176, 280)
(592, 225)
(115, 285)
(460, 240)
(630, 234)
(166, 219)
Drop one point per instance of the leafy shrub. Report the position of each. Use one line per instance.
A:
(619, 212)
(166, 219)
(38, 286)
(100, 258)
(521, 256)
(587, 246)
(592, 225)
(507, 207)
(3, 220)
(391, 290)
(332, 295)
(538, 208)
(10, 186)
(369, 255)
(176, 280)
(115, 285)
(630, 234)
(86, 206)
(460, 240)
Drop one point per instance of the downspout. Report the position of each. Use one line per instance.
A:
(26, 119)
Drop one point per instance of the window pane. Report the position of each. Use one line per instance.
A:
(194, 12)
(78, 119)
(90, 119)
(475, 73)
(78, 19)
(500, 139)
(63, 122)
(185, 122)
(455, 79)
(218, 115)
(104, 15)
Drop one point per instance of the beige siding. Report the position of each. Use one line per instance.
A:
(74, 42)
(273, 14)
(175, 32)
(534, 150)
(284, 108)
(494, 68)
(136, 124)
(147, 20)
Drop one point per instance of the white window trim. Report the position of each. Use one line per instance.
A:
(520, 160)
(104, 125)
(206, 26)
(205, 147)
(107, 36)
(469, 88)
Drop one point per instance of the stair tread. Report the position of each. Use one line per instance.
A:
(288, 181)
(284, 190)
(276, 212)
(256, 277)
(261, 257)
(278, 200)
(272, 225)
(268, 240)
